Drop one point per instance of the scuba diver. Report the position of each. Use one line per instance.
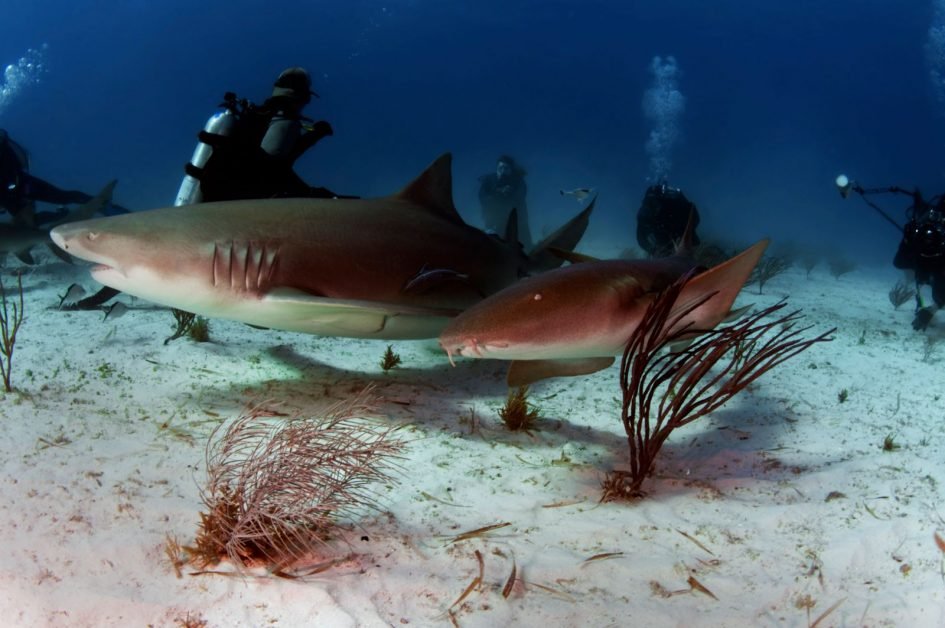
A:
(662, 219)
(248, 151)
(499, 193)
(20, 190)
(921, 251)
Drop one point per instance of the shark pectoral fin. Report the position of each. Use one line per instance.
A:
(299, 311)
(525, 372)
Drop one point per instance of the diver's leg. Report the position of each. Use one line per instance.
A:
(40, 190)
(924, 313)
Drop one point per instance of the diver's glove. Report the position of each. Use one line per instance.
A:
(922, 319)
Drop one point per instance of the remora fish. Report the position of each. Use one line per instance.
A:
(323, 266)
(73, 294)
(579, 194)
(575, 320)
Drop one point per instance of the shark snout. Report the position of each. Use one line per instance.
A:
(78, 239)
(58, 235)
(68, 236)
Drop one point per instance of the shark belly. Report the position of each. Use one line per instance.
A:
(283, 309)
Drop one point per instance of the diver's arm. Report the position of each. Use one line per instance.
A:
(308, 139)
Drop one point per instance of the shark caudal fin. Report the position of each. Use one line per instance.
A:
(565, 238)
(723, 282)
(91, 207)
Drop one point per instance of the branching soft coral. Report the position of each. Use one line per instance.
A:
(665, 390)
(276, 486)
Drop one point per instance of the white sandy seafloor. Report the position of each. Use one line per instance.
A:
(103, 448)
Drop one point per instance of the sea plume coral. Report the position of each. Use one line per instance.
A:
(276, 485)
(664, 390)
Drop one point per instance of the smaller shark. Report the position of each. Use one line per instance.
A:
(19, 239)
(575, 320)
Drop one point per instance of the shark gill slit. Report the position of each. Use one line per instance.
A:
(273, 257)
(247, 261)
(217, 264)
(232, 263)
(252, 282)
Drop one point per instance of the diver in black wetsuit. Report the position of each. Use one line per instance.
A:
(662, 219)
(255, 156)
(248, 151)
(499, 193)
(921, 251)
(20, 190)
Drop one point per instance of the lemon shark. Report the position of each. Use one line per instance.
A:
(575, 320)
(394, 267)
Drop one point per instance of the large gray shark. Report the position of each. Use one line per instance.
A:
(575, 320)
(393, 267)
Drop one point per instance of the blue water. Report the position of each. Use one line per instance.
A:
(780, 96)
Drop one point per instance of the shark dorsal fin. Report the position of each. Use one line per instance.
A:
(433, 188)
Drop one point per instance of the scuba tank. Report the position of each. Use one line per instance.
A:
(281, 135)
(220, 123)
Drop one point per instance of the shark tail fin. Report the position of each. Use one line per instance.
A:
(543, 257)
(96, 204)
(723, 282)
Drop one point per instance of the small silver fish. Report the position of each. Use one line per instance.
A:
(73, 294)
(579, 194)
(115, 310)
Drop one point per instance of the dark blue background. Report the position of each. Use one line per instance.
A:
(780, 97)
